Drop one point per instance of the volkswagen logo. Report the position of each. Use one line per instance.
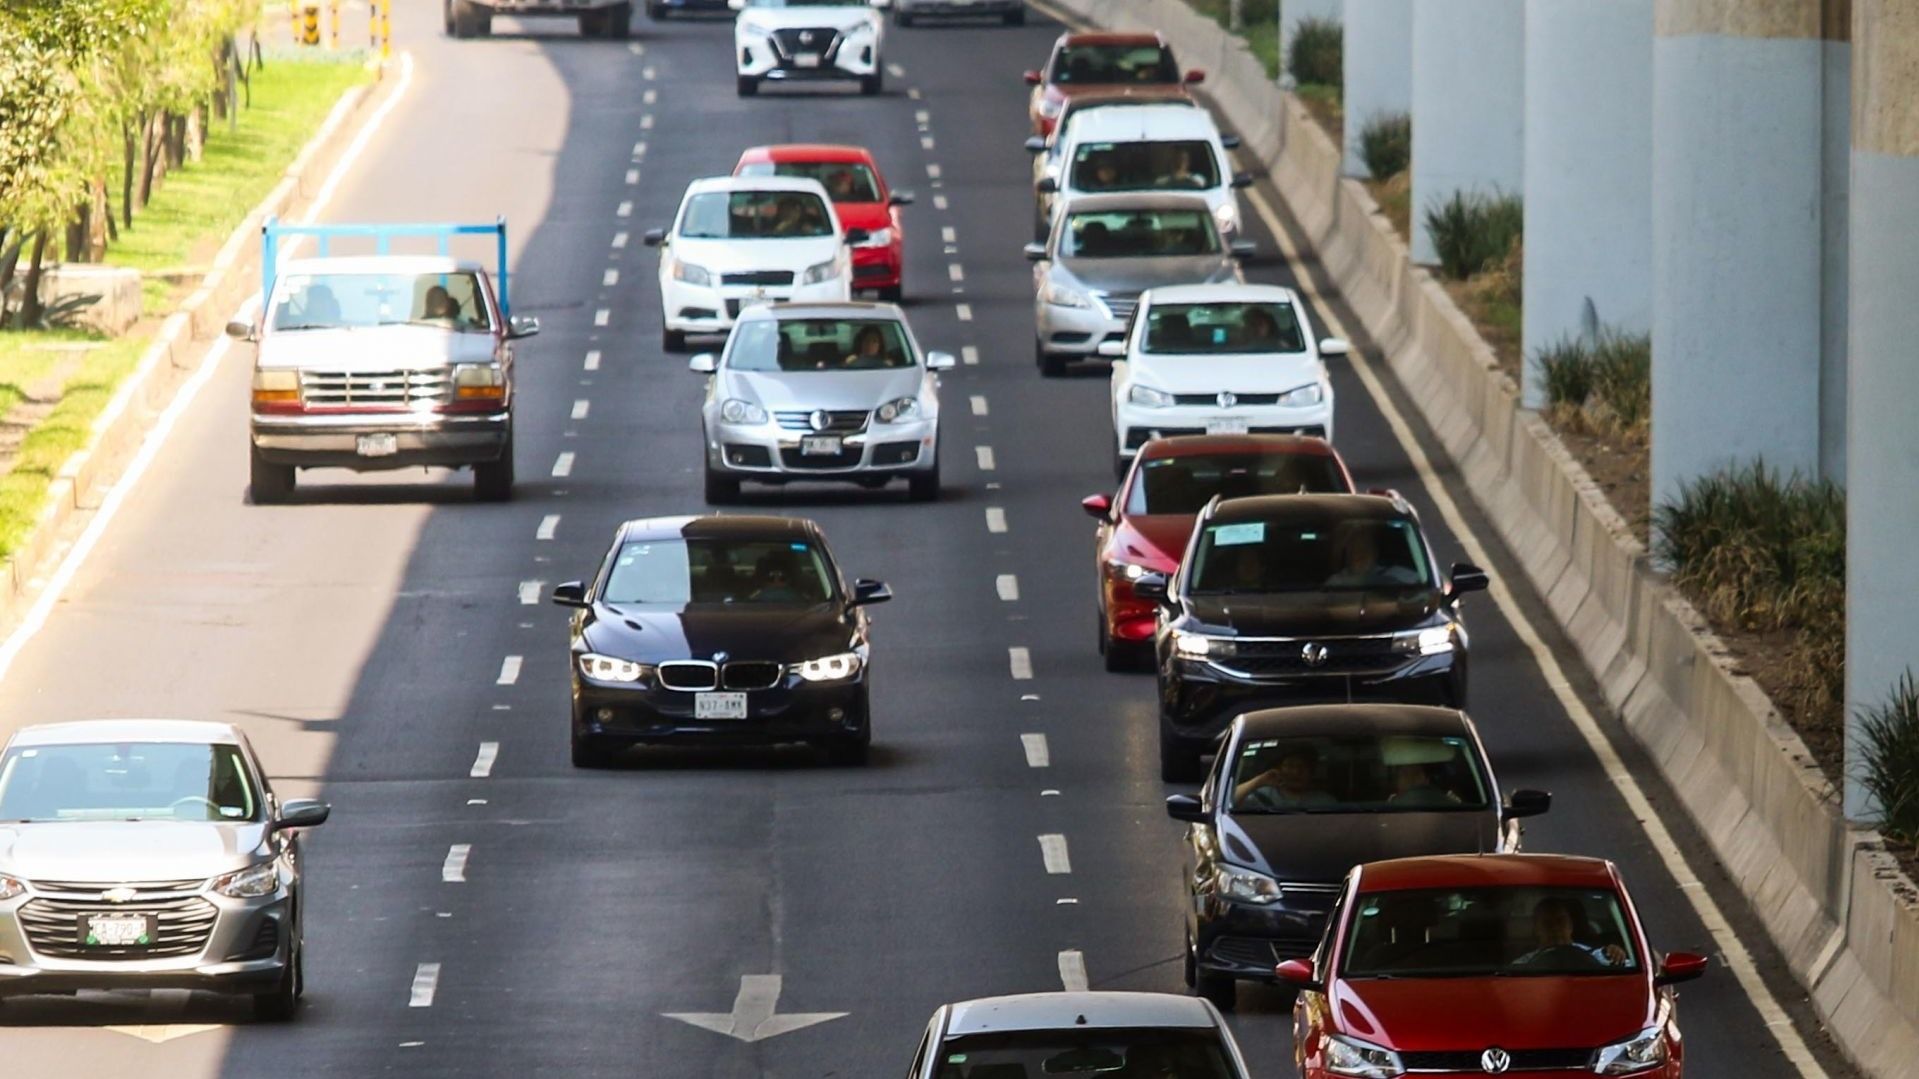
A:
(818, 420)
(118, 895)
(1495, 1061)
(1314, 654)
(1226, 399)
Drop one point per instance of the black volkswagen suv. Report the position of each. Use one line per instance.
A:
(1296, 599)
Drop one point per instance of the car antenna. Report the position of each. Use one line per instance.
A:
(1080, 1022)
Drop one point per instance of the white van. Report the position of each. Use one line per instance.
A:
(1143, 148)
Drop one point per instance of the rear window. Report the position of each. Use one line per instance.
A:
(1172, 165)
(845, 181)
(1149, 1053)
(1184, 484)
(1080, 65)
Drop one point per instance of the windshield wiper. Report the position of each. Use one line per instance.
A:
(311, 326)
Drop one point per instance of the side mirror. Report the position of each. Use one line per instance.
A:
(1299, 974)
(1047, 185)
(1526, 803)
(1195, 76)
(1242, 179)
(570, 594)
(1112, 350)
(857, 237)
(1230, 142)
(1465, 578)
(1032, 77)
(940, 361)
(1681, 967)
(1185, 807)
(302, 813)
(1098, 507)
(520, 326)
(653, 237)
(1035, 252)
(900, 198)
(1243, 249)
(704, 363)
(1035, 145)
(240, 330)
(1334, 346)
(865, 592)
(1151, 586)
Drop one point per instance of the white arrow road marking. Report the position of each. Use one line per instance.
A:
(754, 1017)
(426, 981)
(1052, 849)
(159, 1035)
(1037, 755)
(454, 871)
(1072, 971)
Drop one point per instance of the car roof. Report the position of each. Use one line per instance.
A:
(755, 183)
(105, 731)
(1488, 871)
(1312, 719)
(839, 309)
(1248, 444)
(1137, 200)
(396, 264)
(713, 525)
(1077, 1011)
(1142, 123)
(788, 152)
(1224, 292)
(1309, 507)
(1110, 37)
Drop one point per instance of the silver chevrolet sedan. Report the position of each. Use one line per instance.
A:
(148, 854)
(831, 391)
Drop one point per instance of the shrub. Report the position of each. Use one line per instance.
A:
(1601, 386)
(1473, 231)
(1758, 550)
(1386, 144)
(1316, 55)
(1889, 767)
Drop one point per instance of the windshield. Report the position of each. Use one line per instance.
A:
(1489, 932)
(755, 215)
(675, 573)
(122, 781)
(845, 181)
(1139, 234)
(1144, 166)
(1153, 1053)
(819, 344)
(1359, 773)
(808, 3)
(1079, 65)
(1223, 328)
(1317, 556)
(1184, 484)
(331, 301)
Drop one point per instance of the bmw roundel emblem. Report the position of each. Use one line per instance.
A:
(1495, 1061)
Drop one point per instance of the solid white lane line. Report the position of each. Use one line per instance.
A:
(1733, 950)
(593, 360)
(563, 465)
(602, 317)
(1037, 755)
(530, 592)
(454, 870)
(964, 311)
(1052, 849)
(624, 209)
(932, 170)
(1020, 661)
(1006, 584)
(1072, 971)
(483, 760)
(580, 408)
(985, 455)
(949, 234)
(610, 278)
(619, 239)
(969, 355)
(548, 525)
(979, 405)
(995, 519)
(646, 122)
(426, 981)
(509, 670)
(939, 202)
(955, 272)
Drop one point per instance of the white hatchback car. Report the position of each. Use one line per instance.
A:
(744, 240)
(807, 41)
(1148, 147)
(1041, 1034)
(1219, 359)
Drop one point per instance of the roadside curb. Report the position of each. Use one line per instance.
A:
(122, 425)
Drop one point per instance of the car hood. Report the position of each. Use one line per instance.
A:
(1156, 535)
(839, 18)
(1320, 848)
(386, 348)
(1268, 373)
(837, 390)
(1511, 1013)
(121, 851)
(1129, 276)
(734, 256)
(788, 633)
(870, 216)
(1319, 614)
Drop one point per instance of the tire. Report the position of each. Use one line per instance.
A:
(721, 489)
(1177, 764)
(589, 753)
(1051, 365)
(925, 486)
(892, 293)
(470, 20)
(1016, 17)
(672, 340)
(592, 24)
(493, 480)
(871, 85)
(748, 86)
(618, 24)
(850, 751)
(901, 17)
(446, 17)
(656, 12)
(269, 483)
(278, 1005)
(1221, 991)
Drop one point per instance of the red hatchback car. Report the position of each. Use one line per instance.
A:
(1519, 965)
(860, 198)
(1145, 527)
(1100, 61)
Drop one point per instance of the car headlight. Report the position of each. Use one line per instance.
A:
(1203, 646)
(1063, 296)
(276, 387)
(1436, 641)
(1303, 396)
(691, 274)
(250, 883)
(1048, 107)
(1226, 217)
(479, 382)
(1646, 1049)
(11, 887)
(610, 668)
(1149, 397)
(744, 413)
(1246, 885)
(1362, 1060)
(822, 273)
(905, 408)
(877, 238)
(829, 668)
(1131, 571)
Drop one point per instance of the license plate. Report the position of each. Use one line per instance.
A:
(1225, 427)
(377, 445)
(719, 706)
(116, 930)
(806, 59)
(820, 445)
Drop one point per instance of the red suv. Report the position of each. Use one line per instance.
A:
(860, 198)
(1100, 61)
(1145, 527)
(1521, 965)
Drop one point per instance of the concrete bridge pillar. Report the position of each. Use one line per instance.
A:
(1469, 104)
(1378, 68)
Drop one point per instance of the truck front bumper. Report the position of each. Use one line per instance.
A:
(355, 442)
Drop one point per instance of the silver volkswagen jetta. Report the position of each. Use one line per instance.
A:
(148, 854)
(833, 391)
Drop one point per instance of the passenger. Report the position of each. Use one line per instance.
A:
(1292, 782)
(319, 308)
(869, 350)
(1181, 174)
(1105, 173)
(839, 185)
(1554, 924)
(1094, 241)
(1259, 330)
(1407, 923)
(1413, 785)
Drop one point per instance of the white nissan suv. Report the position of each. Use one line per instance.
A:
(791, 40)
(1219, 359)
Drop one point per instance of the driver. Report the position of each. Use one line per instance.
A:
(1553, 923)
(1360, 566)
(439, 306)
(775, 579)
(869, 349)
(1292, 781)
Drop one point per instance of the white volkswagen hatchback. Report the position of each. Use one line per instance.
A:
(1219, 359)
(744, 240)
(806, 41)
(1078, 1033)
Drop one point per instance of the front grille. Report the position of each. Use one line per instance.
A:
(181, 927)
(689, 675)
(750, 674)
(838, 421)
(403, 389)
(1467, 1060)
(794, 459)
(758, 277)
(1212, 399)
(143, 890)
(818, 40)
(872, 270)
(1280, 659)
(1120, 307)
(1253, 952)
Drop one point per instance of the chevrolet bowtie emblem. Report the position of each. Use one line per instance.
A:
(119, 895)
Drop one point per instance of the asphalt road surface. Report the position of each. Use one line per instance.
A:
(373, 639)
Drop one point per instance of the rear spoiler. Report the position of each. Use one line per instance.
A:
(382, 236)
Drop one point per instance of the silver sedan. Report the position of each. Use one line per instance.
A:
(836, 391)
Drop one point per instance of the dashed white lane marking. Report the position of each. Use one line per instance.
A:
(913, 92)
(1052, 849)
(896, 71)
(649, 74)
(639, 148)
(636, 49)
(610, 278)
(995, 519)
(619, 239)
(483, 760)
(646, 122)
(649, 97)
(926, 142)
(454, 869)
(632, 176)
(969, 355)
(955, 272)
(949, 234)
(932, 170)
(530, 592)
(1020, 661)
(593, 360)
(985, 456)
(1006, 584)
(548, 525)
(602, 317)
(625, 209)
(1072, 971)
(1037, 755)
(426, 981)
(979, 405)
(563, 465)
(939, 202)
(510, 670)
(964, 311)
(922, 117)
(580, 408)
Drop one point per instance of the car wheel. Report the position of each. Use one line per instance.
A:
(892, 293)
(1177, 764)
(446, 17)
(1016, 17)
(656, 12)
(470, 21)
(850, 751)
(870, 85)
(493, 480)
(901, 17)
(588, 752)
(618, 23)
(672, 340)
(748, 86)
(1051, 364)
(268, 482)
(592, 24)
(721, 489)
(925, 486)
(1119, 658)
(1221, 991)
(278, 1004)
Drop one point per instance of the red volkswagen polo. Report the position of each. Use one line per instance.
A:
(1145, 527)
(1519, 965)
(860, 198)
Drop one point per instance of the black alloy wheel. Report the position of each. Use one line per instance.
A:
(278, 1004)
(269, 483)
(493, 480)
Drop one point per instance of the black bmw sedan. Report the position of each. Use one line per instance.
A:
(1300, 795)
(735, 629)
